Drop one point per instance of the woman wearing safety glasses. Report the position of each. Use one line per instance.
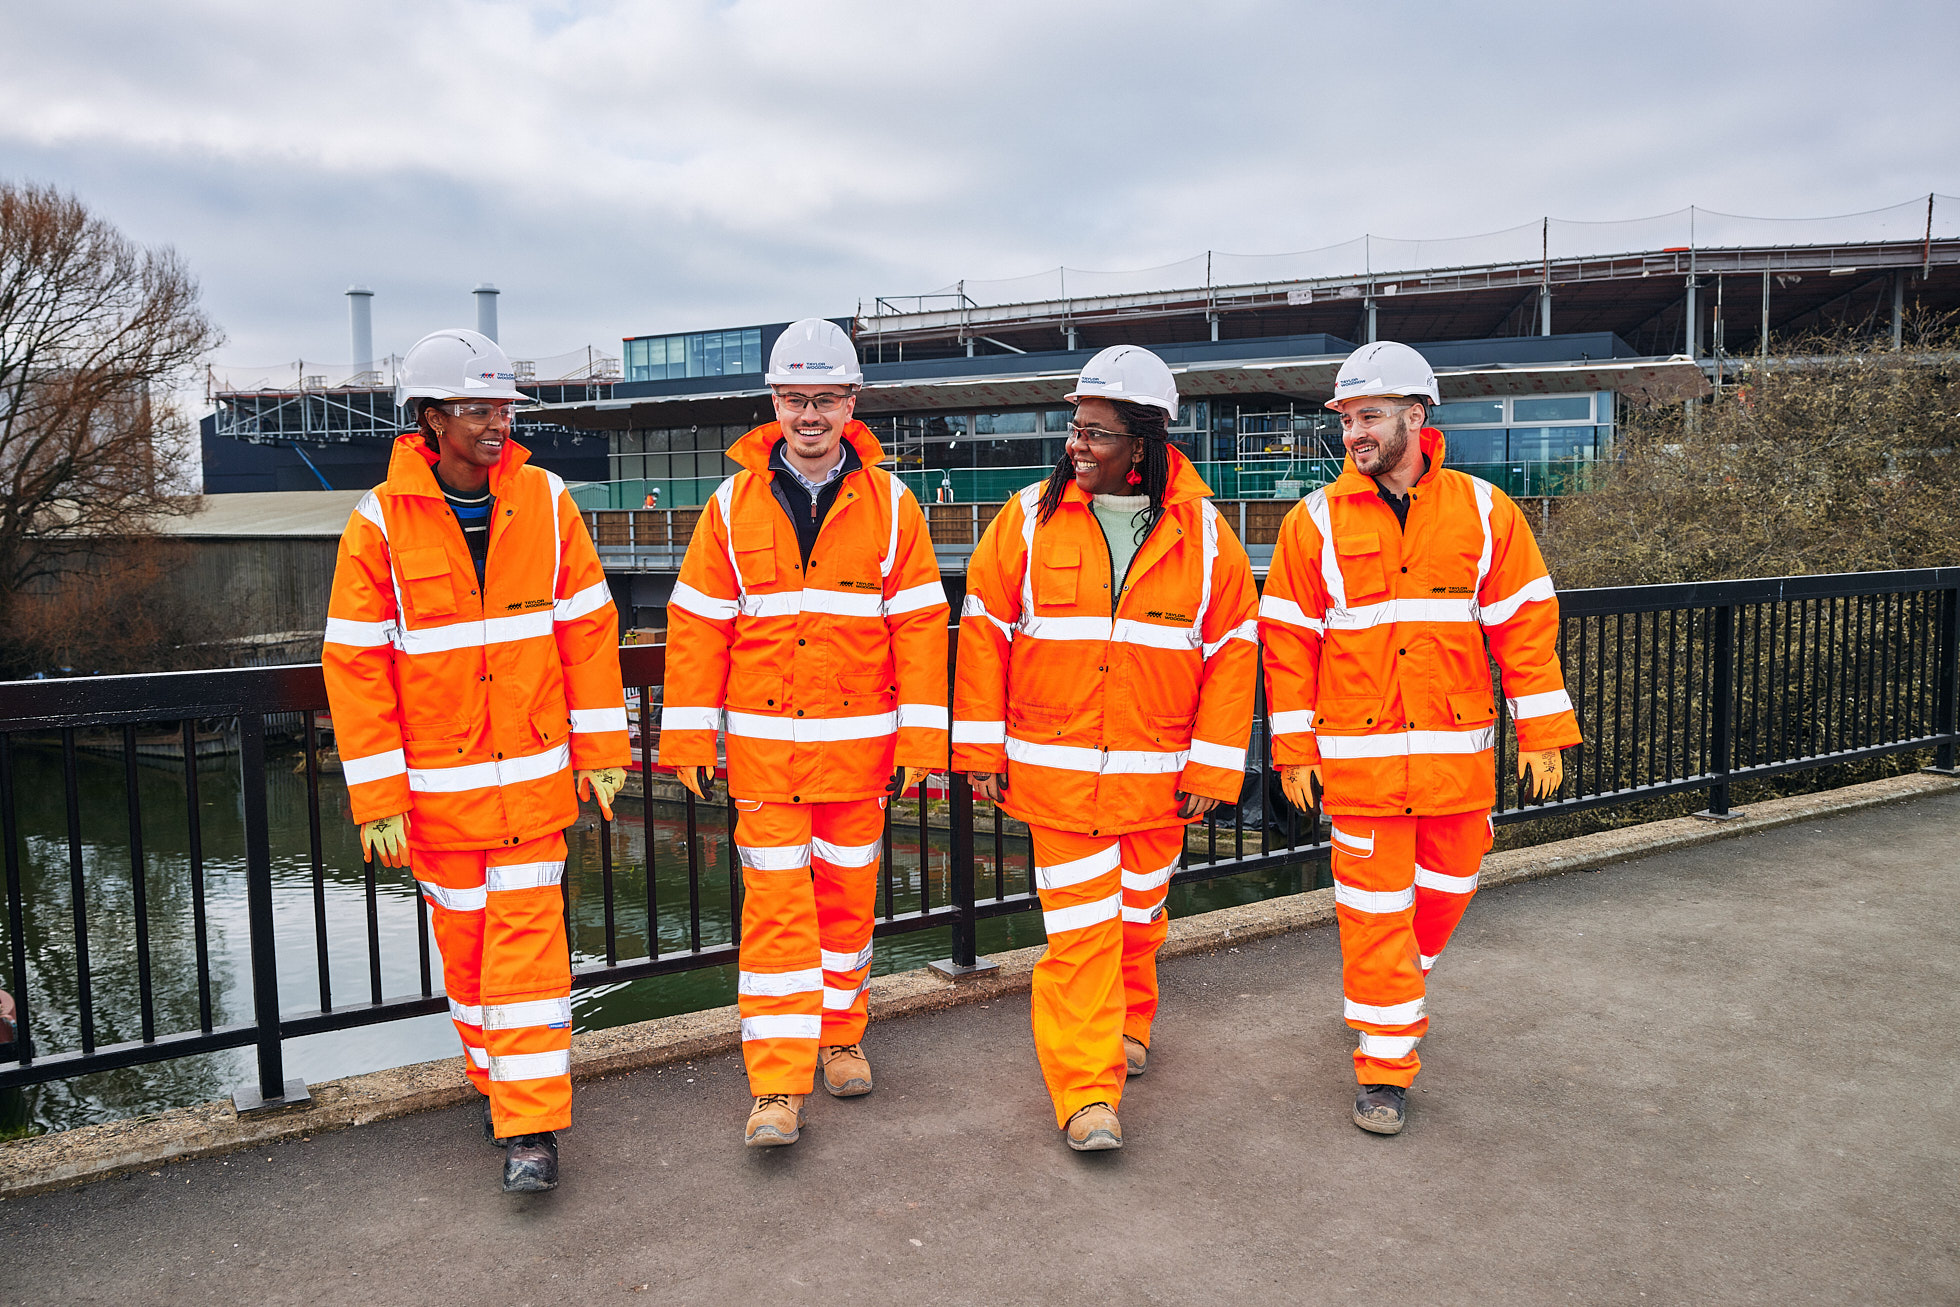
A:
(1104, 697)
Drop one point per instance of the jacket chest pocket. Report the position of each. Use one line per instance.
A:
(1362, 570)
(426, 584)
(1057, 574)
(755, 553)
(866, 695)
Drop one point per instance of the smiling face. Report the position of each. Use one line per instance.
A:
(1381, 432)
(1101, 449)
(812, 419)
(471, 433)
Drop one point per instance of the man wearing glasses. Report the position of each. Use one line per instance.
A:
(472, 667)
(809, 614)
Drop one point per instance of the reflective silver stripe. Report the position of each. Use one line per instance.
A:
(928, 595)
(674, 717)
(724, 500)
(531, 1012)
(845, 855)
(975, 606)
(481, 775)
(898, 494)
(477, 1055)
(1064, 628)
(780, 984)
(1208, 532)
(523, 875)
(783, 603)
(1429, 960)
(979, 732)
(778, 857)
(1113, 762)
(1142, 916)
(360, 635)
(468, 899)
(1124, 630)
(843, 1000)
(926, 716)
(1330, 562)
(1143, 762)
(555, 487)
(1145, 881)
(784, 1025)
(843, 603)
(1293, 721)
(589, 600)
(1396, 1014)
(1388, 1048)
(593, 720)
(1486, 495)
(1248, 630)
(1396, 744)
(1506, 608)
(1285, 610)
(1436, 880)
(1207, 754)
(1151, 635)
(1030, 501)
(1082, 915)
(1354, 843)
(847, 961)
(370, 508)
(1390, 611)
(374, 767)
(531, 1066)
(1061, 875)
(811, 730)
(475, 635)
(1374, 901)
(702, 605)
(1543, 704)
(469, 1014)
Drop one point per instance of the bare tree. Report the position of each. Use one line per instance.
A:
(94, 331)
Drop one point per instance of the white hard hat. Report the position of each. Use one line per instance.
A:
(814, 351)
(1385, 368)
(455, 363)
(1130, 373)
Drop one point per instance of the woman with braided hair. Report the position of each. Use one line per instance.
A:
(1104, 697)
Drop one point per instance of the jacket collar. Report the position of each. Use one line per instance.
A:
(752, 451)
(851, 461)
(412, 466)
(1352, 482)
(1185, 484)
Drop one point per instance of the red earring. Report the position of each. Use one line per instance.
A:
(1135, 478)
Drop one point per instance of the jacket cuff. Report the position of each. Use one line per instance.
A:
(1211, 782)
(688, 749)
(991, 758)
(1300, 750)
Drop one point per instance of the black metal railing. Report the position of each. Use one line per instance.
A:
(1679, 688)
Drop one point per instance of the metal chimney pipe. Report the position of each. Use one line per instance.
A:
(360, 326)
(486, 309)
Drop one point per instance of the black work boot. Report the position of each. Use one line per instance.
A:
(531, 1163)
(490, 1129)
(1381, 1108)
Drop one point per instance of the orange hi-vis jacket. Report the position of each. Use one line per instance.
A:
(1101, 704)
(470, 711)
(830, 679)
(1376, 638)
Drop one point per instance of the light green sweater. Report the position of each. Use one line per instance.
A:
(1117, 514)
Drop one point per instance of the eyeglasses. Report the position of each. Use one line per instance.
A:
(480, 412)
(1096, 435)
(821, 403)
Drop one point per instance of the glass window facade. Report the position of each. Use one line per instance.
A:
(1527, 429)
(698, 354)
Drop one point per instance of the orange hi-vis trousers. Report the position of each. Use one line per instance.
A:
(1400, 886)
(809, 891)
(499, 917)
(1102, 904)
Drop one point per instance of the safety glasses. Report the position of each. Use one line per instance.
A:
(479, 411)
(821, 403)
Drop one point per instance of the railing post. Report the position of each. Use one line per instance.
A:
(273, 1089)
(1722, 746)
(1945, 701)
(966, 960)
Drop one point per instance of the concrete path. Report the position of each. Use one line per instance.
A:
(1725, 1075)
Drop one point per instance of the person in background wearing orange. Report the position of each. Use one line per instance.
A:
(809, 614)
(472, 664)
(1104, 697)
(1390, 592)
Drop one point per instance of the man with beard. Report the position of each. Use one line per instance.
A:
(1390, 592)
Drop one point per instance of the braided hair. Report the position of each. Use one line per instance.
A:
(1146, 422)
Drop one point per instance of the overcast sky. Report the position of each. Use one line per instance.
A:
(626, 168)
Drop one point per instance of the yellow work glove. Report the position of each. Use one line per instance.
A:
(602, 783)
(386, 838)
(1540, 774)
(699, 780)
(904, 779)
(1302, 786)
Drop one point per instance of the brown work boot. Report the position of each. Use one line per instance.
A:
(1093, 1129)
(1381, 1109)
(1136, 1056)
(846, 1070)
(775, 1120)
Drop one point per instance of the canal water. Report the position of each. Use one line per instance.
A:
(182, 979)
